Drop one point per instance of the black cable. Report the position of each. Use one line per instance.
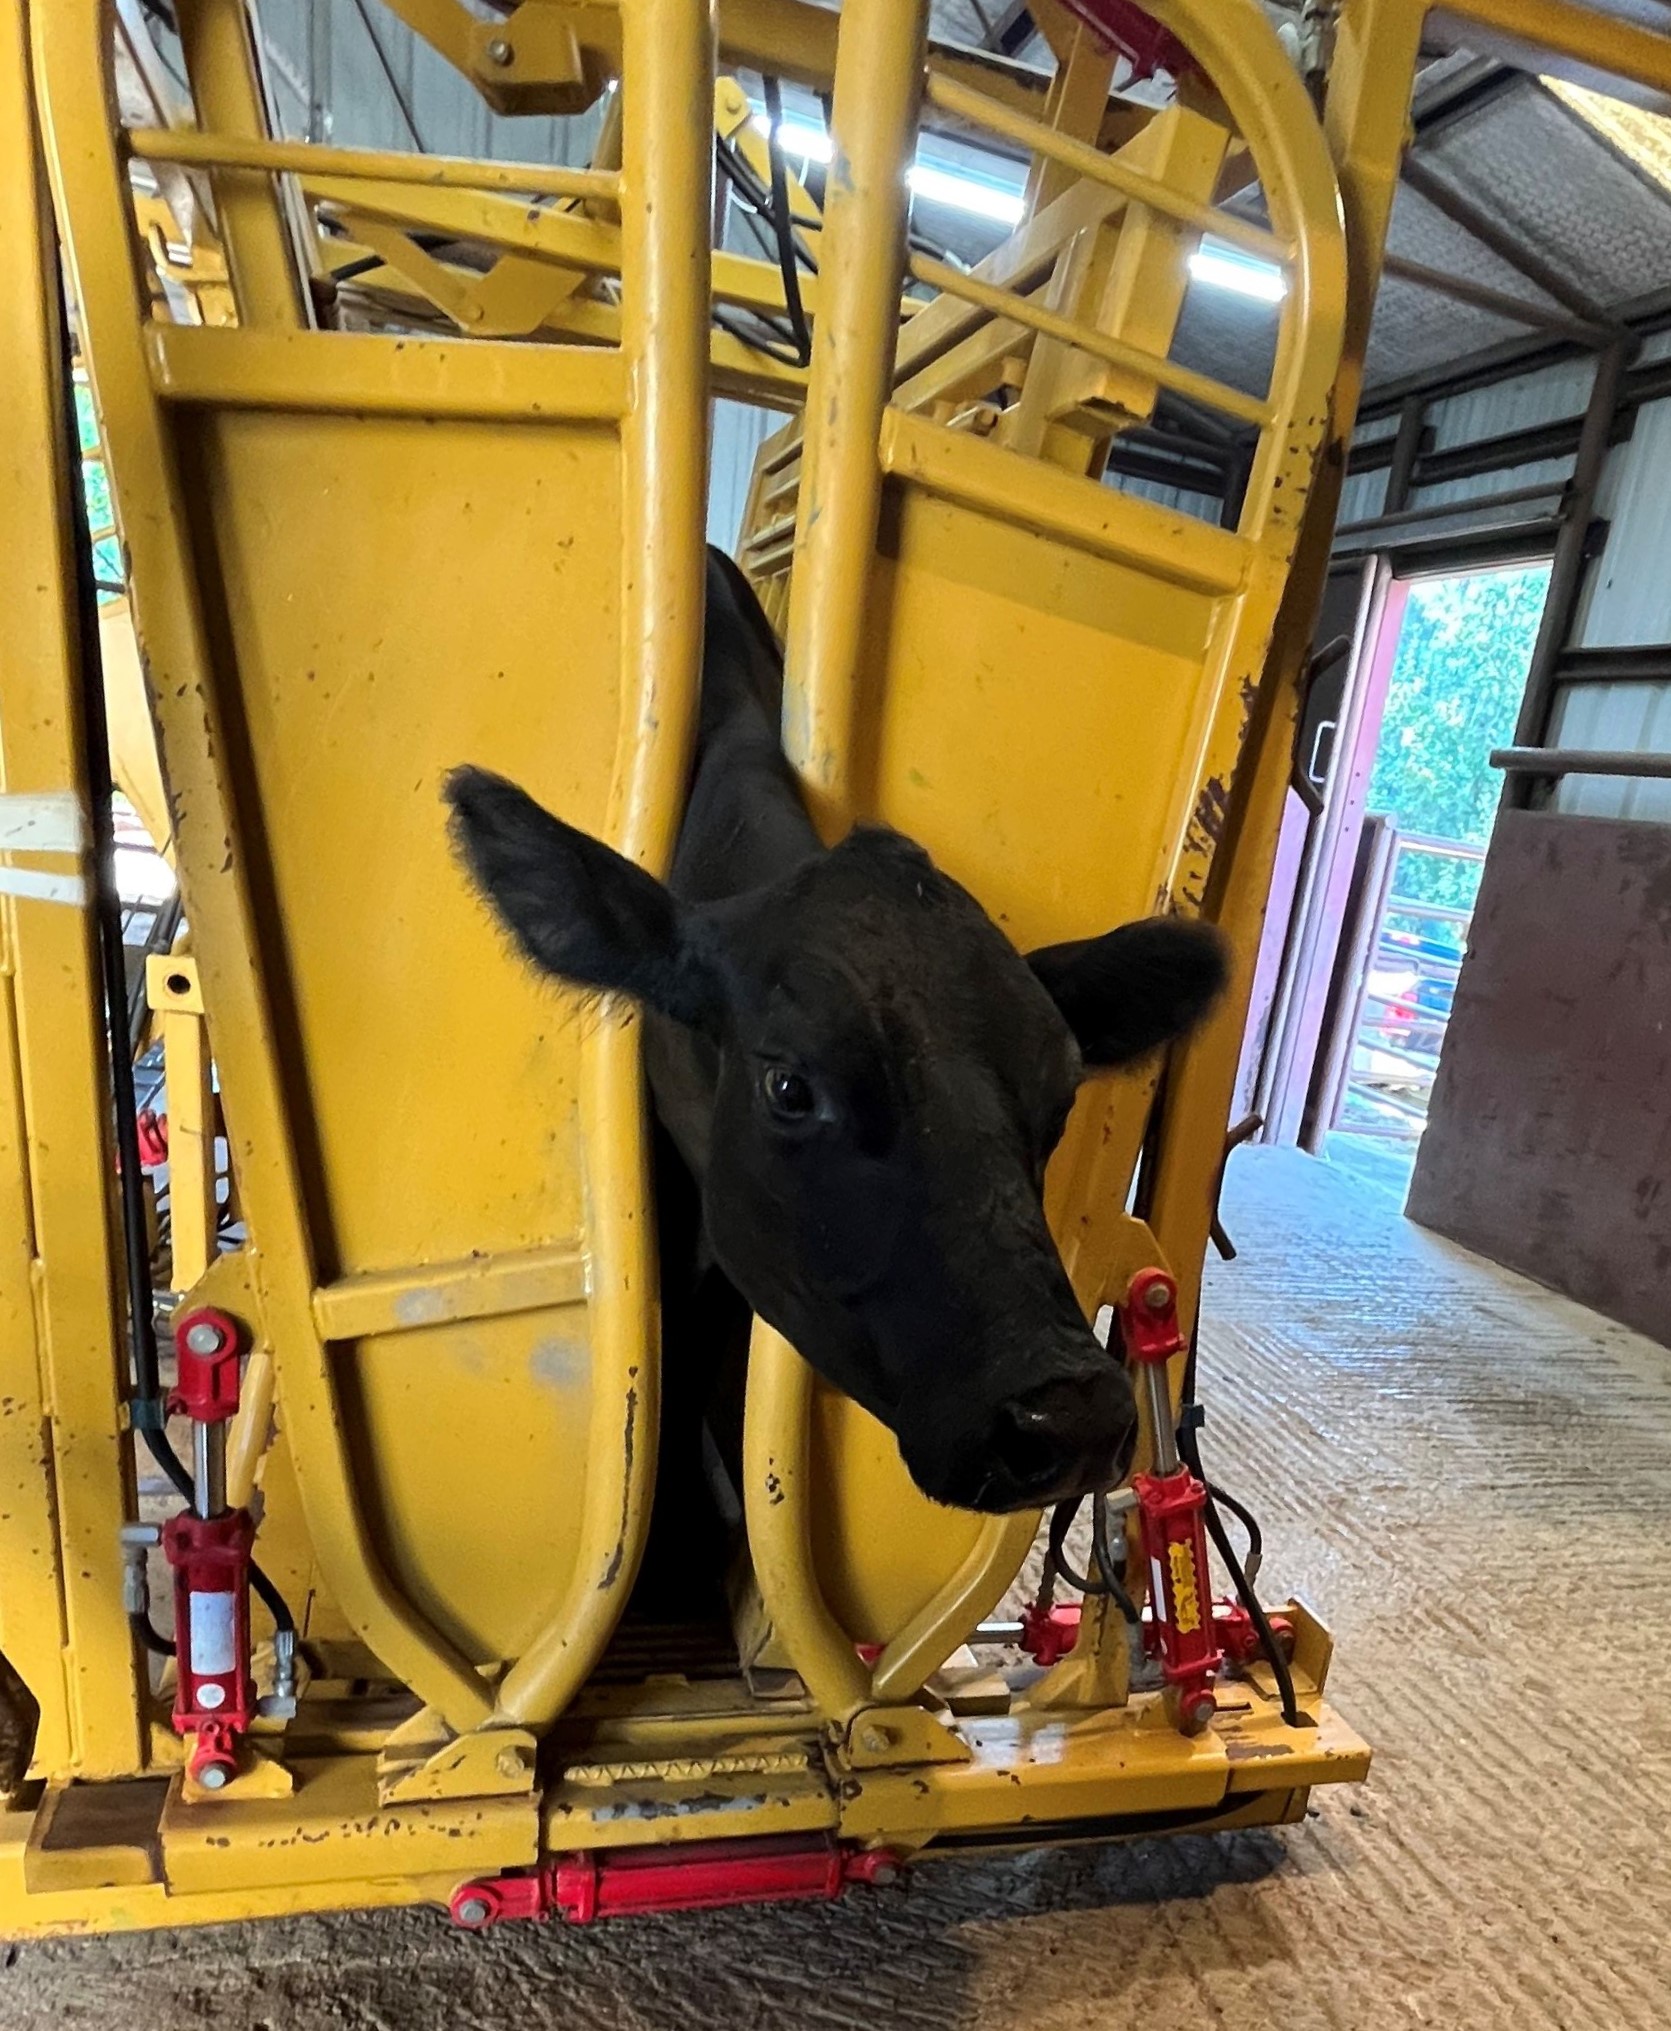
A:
(1061, 1517)
(1254, 1556)
(272, 1600)
(147, 1412)
(1189, 1448)
(789, 253)
(1109, 1568)
(146, 1635)
(1108, 1580)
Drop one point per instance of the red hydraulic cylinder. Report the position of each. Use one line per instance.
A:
(1172, 1506)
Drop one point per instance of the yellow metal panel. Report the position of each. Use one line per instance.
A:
(94, 1836)
(63, 1453)
(240, 879)
(331, 1830)
(628, 1811)
(857, 1475)
(1081, 677)
(354, 698)
(69, 1914)
(1056, 1766)
(355, 695)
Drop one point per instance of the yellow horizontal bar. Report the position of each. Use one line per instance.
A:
(773, 533)
(367, 374)
(1091, 163)
(1044, 1767)
(479, 1287)
(1034, 495)
(385, 165)
(1023, 310)
(1603, 41)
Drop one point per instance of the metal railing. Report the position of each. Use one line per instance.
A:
(1411, 958)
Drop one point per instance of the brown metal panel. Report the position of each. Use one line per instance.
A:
(1548, 1145)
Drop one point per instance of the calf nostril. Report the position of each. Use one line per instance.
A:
(1028, 1443)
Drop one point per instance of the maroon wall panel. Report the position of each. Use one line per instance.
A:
(1548, 1145)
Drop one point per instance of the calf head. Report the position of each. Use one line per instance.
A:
(868, 1079)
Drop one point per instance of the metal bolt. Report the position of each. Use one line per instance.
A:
(499, 51)
(204, 1337)
(213, 1776)
(473, 1911)
(1197, 1712)
(1157, 1297)
(873, 1740)
(211, 1696)
(885, 1875)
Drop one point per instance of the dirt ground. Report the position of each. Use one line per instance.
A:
(1469, 1477)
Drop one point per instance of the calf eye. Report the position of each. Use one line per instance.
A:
(789, 1096)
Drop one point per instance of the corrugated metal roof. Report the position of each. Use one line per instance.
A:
(1535, 166)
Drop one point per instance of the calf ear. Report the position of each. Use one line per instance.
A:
(576, 907)
(1136, 988)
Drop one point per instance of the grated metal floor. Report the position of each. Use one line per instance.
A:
(1469, 1476)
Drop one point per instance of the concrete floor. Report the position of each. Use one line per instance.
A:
(1470, 1477)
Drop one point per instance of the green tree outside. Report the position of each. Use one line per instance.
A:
(1454, 695)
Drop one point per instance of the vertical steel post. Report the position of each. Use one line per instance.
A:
(879, 75)
(1566, 577)
(667, 66)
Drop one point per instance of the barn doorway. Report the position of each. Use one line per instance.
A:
(1452, 649)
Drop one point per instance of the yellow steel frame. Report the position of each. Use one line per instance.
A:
(1023, 512)
(441, 1306)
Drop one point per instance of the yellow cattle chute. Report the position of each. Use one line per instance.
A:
(469, 528)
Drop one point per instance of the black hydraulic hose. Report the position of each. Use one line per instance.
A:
(1108, 1566)
(1255, 1554)
(146, 1635)
(272, 1600)
(1189, 1448)
(1108, 1579)
(1061, 1519)
(782, 224)
(148, 1412)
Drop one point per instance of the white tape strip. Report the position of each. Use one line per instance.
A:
(45, 888)
(48, 822)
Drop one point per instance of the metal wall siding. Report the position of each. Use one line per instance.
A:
(1636, 717)
(1205, 507)
(1364, 495)
(1550, 472)
(739, 430)
(1552, 394)
(1628, 597)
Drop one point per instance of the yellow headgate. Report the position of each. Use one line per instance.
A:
(430, 487)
